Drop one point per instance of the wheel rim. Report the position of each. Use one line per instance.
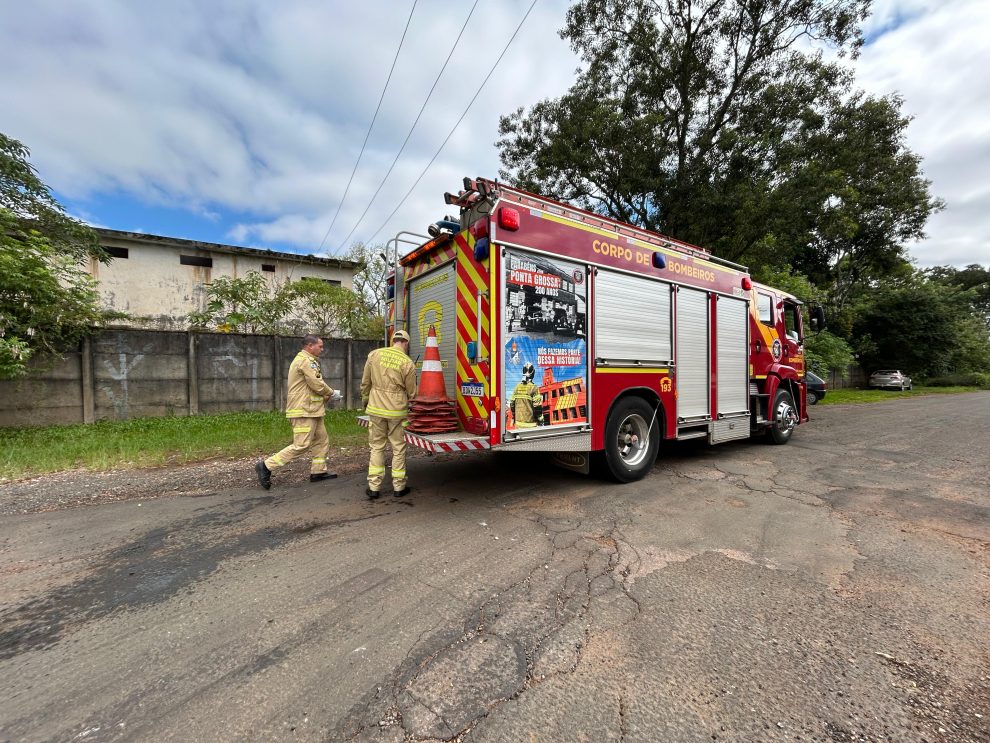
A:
(785, 416)
(812, 398)
(633, 440)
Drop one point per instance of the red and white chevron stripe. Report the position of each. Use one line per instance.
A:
(439, 445)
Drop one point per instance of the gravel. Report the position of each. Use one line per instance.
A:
(75, 488)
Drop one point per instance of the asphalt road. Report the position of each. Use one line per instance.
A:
(834, 589)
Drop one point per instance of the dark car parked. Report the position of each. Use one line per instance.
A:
(816, 388)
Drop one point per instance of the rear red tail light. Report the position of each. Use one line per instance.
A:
(508, 218)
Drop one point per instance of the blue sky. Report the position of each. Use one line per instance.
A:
(239, 121)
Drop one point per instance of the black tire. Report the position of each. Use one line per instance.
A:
(783, 418)
(626, 458)
(812, 397)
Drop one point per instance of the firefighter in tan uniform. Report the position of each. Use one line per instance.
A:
(527, 401)
(305, 409)
(388, 383)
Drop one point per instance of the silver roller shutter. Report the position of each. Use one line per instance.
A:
(731, 349)
(433, 301)
(632, 319)
(693, 367)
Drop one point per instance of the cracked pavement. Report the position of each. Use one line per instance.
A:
(834, 589)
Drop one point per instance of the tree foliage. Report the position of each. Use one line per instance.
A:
(32, 206)
(713, 122)
(974, 279)
(48, 302)
(249, 304)
(922, 327)
(255, 304)
(369, 280)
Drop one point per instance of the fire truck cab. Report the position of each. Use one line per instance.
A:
(563, 331)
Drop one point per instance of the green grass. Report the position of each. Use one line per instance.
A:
(843, 396)
(147, 442)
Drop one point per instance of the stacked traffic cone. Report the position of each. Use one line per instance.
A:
(431, 411)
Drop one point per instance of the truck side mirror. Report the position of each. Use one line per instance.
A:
(817, 316)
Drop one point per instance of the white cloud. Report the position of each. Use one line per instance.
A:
(260, 109)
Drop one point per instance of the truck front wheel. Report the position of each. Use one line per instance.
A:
(632, 440)
(784, 418)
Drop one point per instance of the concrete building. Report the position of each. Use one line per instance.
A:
(159, 280)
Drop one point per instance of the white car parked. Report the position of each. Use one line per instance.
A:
(890, 379)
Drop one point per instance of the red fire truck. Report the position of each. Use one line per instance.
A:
(630, 337)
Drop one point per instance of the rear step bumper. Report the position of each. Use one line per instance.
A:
(455, 441)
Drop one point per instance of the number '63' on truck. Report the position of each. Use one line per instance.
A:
(563, 331)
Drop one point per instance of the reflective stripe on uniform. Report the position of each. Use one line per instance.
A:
(301, 429)
(278, 460)
(319, 460)
(398, 473)
(376, 470)
(382, 413)
(294, 413)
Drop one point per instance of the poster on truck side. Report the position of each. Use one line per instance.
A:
(546, 347)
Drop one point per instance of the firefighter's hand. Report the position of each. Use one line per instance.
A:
(336, 396)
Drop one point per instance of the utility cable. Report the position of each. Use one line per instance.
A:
(411, 130)
(444, 143)
(370, 127)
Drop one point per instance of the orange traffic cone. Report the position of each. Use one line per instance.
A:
(431, 411)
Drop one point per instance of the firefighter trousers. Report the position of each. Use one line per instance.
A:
(382, 432)
(309, 436)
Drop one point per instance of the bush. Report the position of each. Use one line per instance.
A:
(970, 379)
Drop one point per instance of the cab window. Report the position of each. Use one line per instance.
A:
(764, 305)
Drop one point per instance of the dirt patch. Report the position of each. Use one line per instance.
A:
(75, 488)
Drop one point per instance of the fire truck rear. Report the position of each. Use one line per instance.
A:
(563, 331)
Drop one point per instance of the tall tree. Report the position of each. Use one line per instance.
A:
(713, 122)
(974, 278)
(922, 327)
(370, 279)
(48, 301)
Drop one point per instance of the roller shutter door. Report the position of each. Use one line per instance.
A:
(693, 368)
(433, 302)
(732, 361)
(632, 319)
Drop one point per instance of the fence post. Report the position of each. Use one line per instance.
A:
(193, 373)
(349, 375)
(88, 392)
(276, 373)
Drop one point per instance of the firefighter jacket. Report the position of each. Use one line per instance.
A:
(388, 382)
(307, 390)
(527, 405)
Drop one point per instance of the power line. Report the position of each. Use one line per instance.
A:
(406, 141)
(370, 127)
(444, 143)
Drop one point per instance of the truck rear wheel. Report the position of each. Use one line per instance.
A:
(784, 418)
(631, 442)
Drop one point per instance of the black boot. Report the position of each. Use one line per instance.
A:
(264, 474)
(372, 494)
(405, 491)
(322, 476)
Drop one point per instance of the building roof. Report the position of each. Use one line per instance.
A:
(180, 243)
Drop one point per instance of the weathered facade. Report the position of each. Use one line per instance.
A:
(159, 280)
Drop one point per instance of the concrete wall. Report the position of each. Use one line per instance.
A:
(123, 374)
